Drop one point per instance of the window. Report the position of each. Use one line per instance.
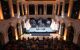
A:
(49, 9)
(75, 10)
(66, 7)
(24, 9)
(14, 6)
(5, 9)
(31, 9)
(20, 9)
(40, 9)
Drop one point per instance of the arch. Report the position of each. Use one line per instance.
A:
(70, 33)
(11, 33)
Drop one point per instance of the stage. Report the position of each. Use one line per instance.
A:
(41, 27)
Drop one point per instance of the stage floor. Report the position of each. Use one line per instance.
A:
(41, 29)
(54, 35)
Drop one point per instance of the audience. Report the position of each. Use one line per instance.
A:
(37, 44)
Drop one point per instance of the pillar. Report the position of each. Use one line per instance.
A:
(22, 8)
(65, 34)
(18, 10)
(55, 8)
(20, 29)
(63, 7)
(70, 8)
(28, 9)
(76, 35)
(45, 8)
(5, 38)
(79, 15)
(11, 7)
(60, 29)
(58, 7)
(1, 13)
(16, 34)
(25, 8)
(36, 9)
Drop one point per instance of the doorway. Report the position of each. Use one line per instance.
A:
(70, 33)
(11, 33)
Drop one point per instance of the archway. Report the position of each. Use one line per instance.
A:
(11, 33)
(70, 33)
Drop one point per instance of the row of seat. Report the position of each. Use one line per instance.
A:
(36, 44)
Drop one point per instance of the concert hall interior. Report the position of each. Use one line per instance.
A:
(39, 24)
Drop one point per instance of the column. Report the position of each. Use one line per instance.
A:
(45, 8)
(16, 34)
(25, 7)
(60, 30)
(55, 7)
(18, 10)
(22, 8)
(1, 13)
(5, 38)
(58, 7)
(36, 9)
(11, 7)
(79, 15)
(70, 8)
(63, 7)
(53, 10)
(28, 9)
(65, 34)
(20, 29)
